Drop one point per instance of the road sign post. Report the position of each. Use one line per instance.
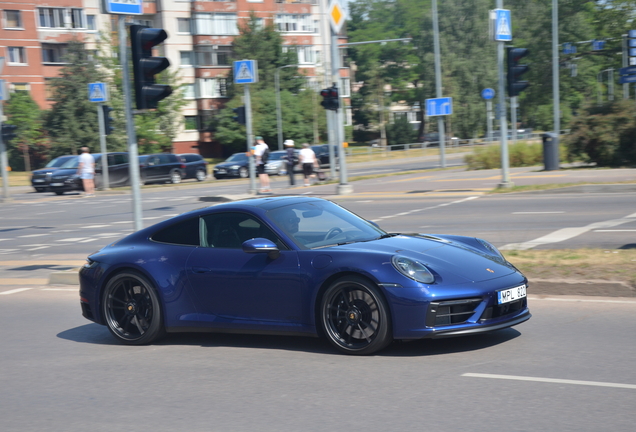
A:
(246, 72)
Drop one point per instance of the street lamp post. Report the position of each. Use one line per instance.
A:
(279, 116)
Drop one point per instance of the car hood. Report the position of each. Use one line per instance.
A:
(65, 172)
(44, 171)
(440, 256)
(229, 164)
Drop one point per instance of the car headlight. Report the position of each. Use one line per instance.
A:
(413, 269)
(235, 167)
(490, 248)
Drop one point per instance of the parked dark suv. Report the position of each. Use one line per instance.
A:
(66, 179)
(40, 178)
(195, 166)
(161, 167)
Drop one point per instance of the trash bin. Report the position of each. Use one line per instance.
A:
(550, 151)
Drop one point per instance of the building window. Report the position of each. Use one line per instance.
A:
(183, 25)
(216, 24)
(294, 23)
(12, 19)
(51, 17)
(211, 87)
(17, 55)
(213, 56)
(91, 22)
(306, 54)
(20, 87)
(77, 19)
(53, 53)
(191, 123)
(188, 91)
(186, 58)
(345, 87)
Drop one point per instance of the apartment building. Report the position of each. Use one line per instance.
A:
(34, 36)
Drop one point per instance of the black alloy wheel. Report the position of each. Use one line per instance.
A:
(355, 317)
(131, 309)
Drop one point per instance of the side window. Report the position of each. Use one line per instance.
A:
(164, 159)
(182, 233)
(230, 230)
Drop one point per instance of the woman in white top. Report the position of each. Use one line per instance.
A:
(308, 159)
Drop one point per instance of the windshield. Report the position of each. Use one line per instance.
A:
(320, 224)
(58, 161)
(275, 156)
(236, 157)
(71, 163)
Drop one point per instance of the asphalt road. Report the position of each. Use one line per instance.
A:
(569, 368)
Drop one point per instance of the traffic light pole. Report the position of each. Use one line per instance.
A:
(438, 86)
(344, 187)
(102, 145)
(130, 129)
(3, 160)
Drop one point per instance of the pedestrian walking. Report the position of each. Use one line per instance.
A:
(309, 160)
(291, 159)
(86, 171)
(261, 152)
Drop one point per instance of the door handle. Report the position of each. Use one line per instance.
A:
(201, 269)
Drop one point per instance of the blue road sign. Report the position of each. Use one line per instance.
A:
(632, 52)
(439, 106)
(245, 72)
(126, 7)
(503, 25)
(598, 45)
(569, 48)
(626, 79)
(488, 93)
(631, 33)
(629, 70)
(97, 92)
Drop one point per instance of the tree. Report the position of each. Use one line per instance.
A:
(72, 121)
(30, 142)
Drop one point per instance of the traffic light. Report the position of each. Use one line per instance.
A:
(330, 99)
(108, 120)
(8, 132)
(145, 66)
(239, 115)
(515, 70)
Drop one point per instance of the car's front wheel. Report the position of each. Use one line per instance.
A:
(243, 172)
(355, 317)
(131, 309)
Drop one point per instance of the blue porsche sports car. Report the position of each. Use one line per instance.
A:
(298, 265)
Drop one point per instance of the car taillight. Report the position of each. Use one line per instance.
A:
(182, 166)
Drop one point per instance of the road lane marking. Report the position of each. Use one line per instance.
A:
(546, 212)
(60, 289)
(423, 209)
(567, 233)
(552, 380)
(625, 230)
(33, 235)
(14, 291)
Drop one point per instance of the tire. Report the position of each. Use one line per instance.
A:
(131, 309)
(59, 192)
(243, 172)
(175, 177)
(354, 316)
(40, 190)
(201, 175)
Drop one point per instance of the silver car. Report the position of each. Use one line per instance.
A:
(276, 165)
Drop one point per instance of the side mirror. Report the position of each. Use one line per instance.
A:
(261, 245)
(373, 223)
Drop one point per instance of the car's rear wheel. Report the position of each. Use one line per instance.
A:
(355, 317)
(175, 177)
(131, 309)
(59, 192)
(243, 172)
(201, 175)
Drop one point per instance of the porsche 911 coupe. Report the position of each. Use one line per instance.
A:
(298, 266)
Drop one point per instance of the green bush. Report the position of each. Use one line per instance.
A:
(605, 134)
(520, 154)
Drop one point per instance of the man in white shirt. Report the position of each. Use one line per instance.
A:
(260, 149)
(86, 171)
(308, 159)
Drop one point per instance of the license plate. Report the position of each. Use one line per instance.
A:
(512, 294)
(57, 184)
(38, 180)
(221, 171)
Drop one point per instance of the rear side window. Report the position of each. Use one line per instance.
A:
(182, 233)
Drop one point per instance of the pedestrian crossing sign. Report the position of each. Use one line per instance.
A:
(503, 25)
(97, 92)
(245, 72)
